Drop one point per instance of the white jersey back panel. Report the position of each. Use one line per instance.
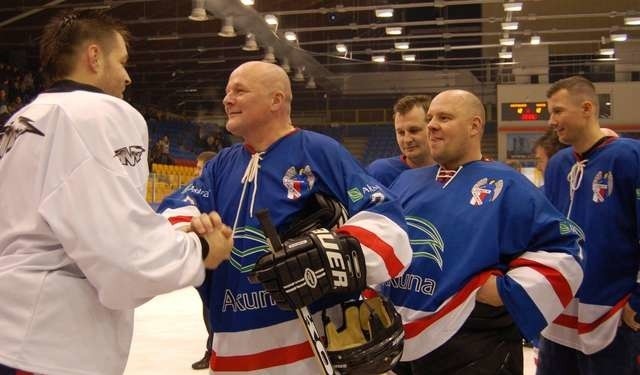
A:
(75, 231)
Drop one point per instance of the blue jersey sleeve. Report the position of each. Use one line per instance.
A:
(540, 255)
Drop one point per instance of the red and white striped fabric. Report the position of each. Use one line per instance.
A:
(584, 327)
(259, 350)
(425, 332)
(384, 245)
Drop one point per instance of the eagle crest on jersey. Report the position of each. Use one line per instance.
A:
(602, 186)
(129, 155)
(10, 133)
(298, 181)
(485, 189)
(423, 233)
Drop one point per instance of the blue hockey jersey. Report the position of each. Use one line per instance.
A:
(251, 334)
(488, 219)
(388, 169)
(606, 205)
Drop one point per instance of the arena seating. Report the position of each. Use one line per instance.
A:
(164, 179)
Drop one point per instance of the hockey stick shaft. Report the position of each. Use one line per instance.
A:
(303, 313)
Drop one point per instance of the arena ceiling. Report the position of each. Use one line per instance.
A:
(182, 65)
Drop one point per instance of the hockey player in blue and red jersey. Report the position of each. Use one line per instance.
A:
(596, 184)
(492, 258)
(281, 168)
(410, 123)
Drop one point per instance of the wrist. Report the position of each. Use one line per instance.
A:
(205, 247)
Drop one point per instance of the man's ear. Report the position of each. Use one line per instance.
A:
(277, 99)
(476, 125)
(588, 107)
(94, 56)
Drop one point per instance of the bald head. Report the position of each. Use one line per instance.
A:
(258, 103)
(270, 76)
(466, 101)
(456, 123)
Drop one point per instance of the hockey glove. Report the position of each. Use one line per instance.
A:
(310, 267)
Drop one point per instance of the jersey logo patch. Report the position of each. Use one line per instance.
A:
(425, 240)
(485, 190)
(129, 155)
(255, 246)
(298, 181)
(602, 186)
(9, 133)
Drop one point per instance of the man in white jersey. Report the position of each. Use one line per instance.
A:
(79, 245)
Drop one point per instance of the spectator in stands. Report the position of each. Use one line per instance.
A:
(212, 144)
(4, 106)
(545, 147)
(515, 164)
(16, 104)
(203, 363)
(410, 121)
(162, 150)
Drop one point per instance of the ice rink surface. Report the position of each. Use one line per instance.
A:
(169, 336)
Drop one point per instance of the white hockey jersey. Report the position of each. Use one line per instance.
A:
(79, 245)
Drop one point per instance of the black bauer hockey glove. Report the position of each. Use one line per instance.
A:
(310, 267)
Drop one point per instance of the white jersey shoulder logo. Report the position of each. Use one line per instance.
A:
(602, 186)
(11, 131)
(129, 155)
(485, 190)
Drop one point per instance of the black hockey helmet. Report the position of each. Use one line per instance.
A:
(321, 211)
(371, 338)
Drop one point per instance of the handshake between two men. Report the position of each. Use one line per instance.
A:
(216, 238)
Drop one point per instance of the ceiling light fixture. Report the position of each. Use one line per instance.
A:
(311, 83)
(341, 48)
(618, 37)
(606, 59)
(164, 37)
(290, 36)
(401, 45)
(198, 13)
(407, 57)
(247, 2)
(378, 58)
(285, 65)
(250, 43)
(211, 61)
(298, 76)
(509, 26)
(507, 41)
(607, 51)
(632, 21)
(93, 7)
(384, 13)
(270, 19)
(505, 54)
(269, 56)
(535, 39)
(227, 30)
(393, 30)
(512, 7)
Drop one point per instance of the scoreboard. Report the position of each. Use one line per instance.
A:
(525, 111)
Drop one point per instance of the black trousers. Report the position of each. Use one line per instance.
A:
(6, 370)
(487, 344)
(205, 317)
